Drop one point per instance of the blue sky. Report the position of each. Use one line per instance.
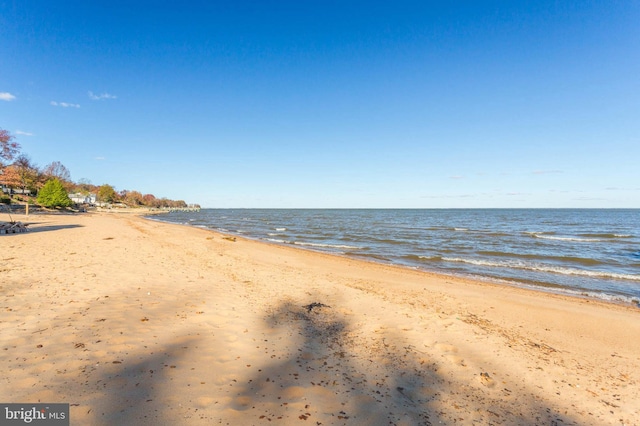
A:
(332, 103)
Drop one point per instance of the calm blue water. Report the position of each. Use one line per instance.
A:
(586, 252)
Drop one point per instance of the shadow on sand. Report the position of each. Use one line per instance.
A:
(334, 377)
(317, 369)
(35, 228)
(323, 382)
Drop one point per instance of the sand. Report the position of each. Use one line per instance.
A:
(133, 321)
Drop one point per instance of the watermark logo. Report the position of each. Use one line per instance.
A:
(34, 414)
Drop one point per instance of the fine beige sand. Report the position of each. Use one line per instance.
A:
(137, 322)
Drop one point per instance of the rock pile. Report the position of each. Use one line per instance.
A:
(12, 227)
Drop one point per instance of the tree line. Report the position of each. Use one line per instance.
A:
(21, 178)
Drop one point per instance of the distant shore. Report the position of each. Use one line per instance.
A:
(21, 209)
(142, 322)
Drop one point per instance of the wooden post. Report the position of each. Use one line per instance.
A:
(27, 209)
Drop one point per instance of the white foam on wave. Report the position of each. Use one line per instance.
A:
(544, 268)
(277, 240)
(281, 229)
(340, 246)
(576, 239)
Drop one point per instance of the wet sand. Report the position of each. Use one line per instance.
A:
(134, 321)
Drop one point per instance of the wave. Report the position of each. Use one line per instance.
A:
(369, 256)
(544, 268)
(340, 246)
(608, 236)
(576, 239)
(572, 259)
(280, 229)
(418, 258)
(276, 240)
(307, 244)
(386, 241)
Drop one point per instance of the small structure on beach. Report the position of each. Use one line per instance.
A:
(12, 227)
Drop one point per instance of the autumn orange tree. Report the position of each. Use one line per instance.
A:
(28, 173)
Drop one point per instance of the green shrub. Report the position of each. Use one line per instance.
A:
(53, 194)
(5, 199)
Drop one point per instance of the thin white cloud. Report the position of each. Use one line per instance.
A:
(456, 177)
(589, 199)
(6, 96)
(615, 188)
(546, 172)
(64, 104)
(20, 132)
(449, 196)
(100, 158)
(101, 96)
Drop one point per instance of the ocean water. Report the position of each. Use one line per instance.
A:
(588, 252)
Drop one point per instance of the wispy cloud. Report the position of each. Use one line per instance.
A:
(6, 96)
(449, 196)
(589, 199)
(456, 177)
(64, 104)
(101, 96)
(100, 158)
(546, 172)
(20, 132)
(615, 188)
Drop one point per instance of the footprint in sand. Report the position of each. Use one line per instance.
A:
(454, 359)
(293, 393)
(486, 380)
(446, 347)
(242, 402)
(450, 353)
(204, 401)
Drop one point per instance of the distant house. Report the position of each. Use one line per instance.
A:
(14, 191)
(79, 198)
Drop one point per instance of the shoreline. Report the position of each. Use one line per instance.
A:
(615, 299)
(132, 320)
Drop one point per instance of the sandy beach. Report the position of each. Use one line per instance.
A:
(133, 321)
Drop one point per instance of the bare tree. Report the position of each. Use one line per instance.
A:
(8, 148)
(57, 170)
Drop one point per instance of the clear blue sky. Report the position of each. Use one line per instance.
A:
(332, 103)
